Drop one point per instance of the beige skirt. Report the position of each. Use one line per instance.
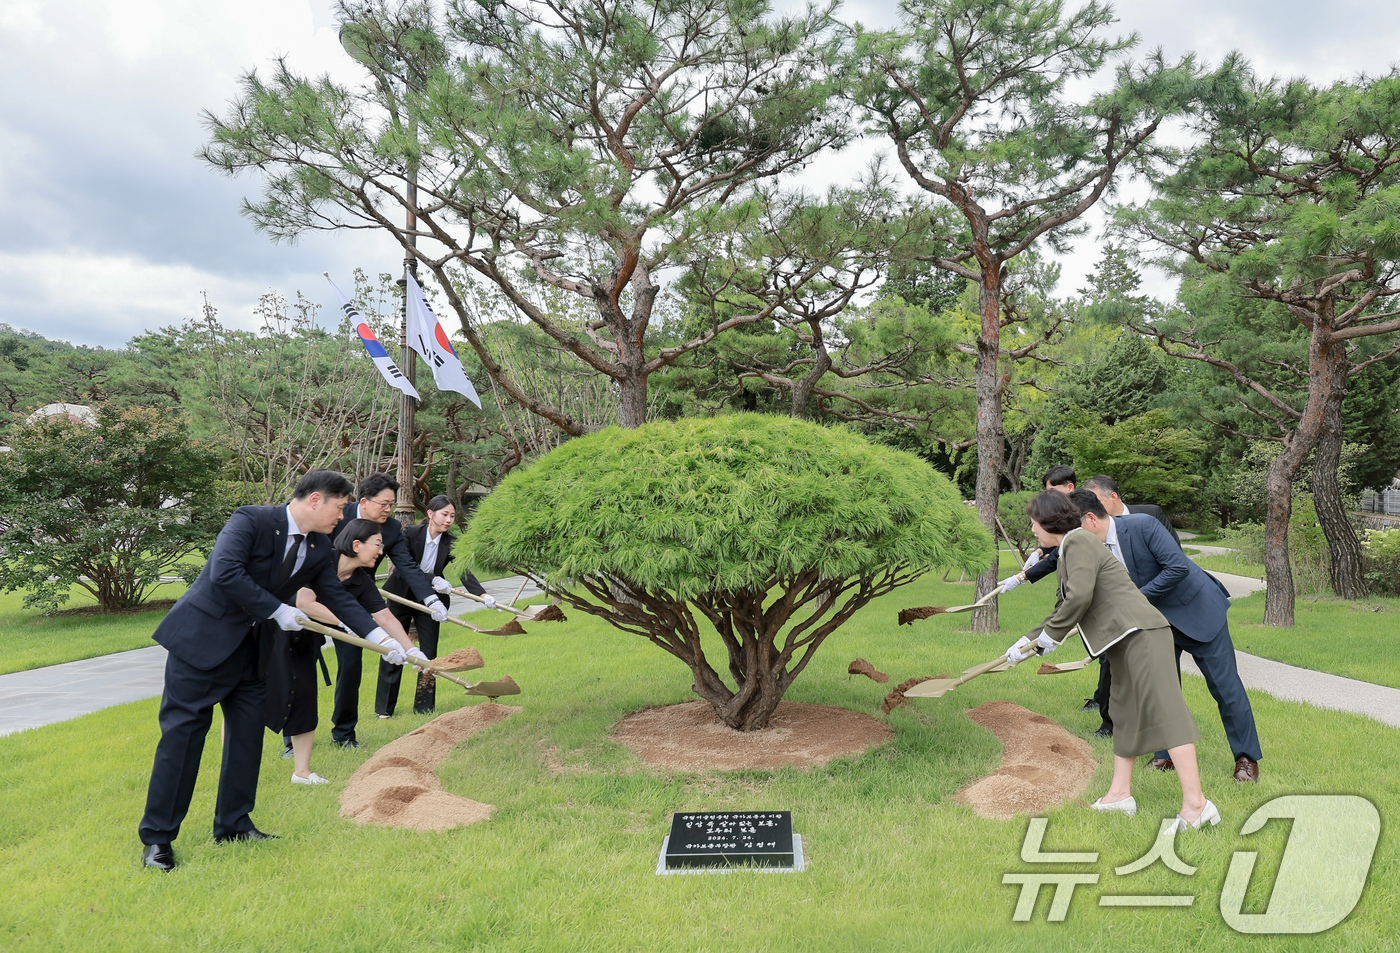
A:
(1149, 714)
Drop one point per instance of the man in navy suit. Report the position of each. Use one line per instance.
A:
(377, 494)
(1195, 603)
(217, 637)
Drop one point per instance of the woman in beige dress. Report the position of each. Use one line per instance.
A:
(1116, 620)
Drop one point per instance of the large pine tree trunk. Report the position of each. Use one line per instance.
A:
(991, 436)
(1278, 571)
(1343, 545)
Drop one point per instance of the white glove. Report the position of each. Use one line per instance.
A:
(1022, 650)
(417, 653)
(286, 618)
(490, 600)
(1010, 582)
(1032, 559)
(378, 636)
(442, 585)
(1045, 643)
(397, 655)
(436, 609)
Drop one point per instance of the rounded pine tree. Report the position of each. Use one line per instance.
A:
(776, 530)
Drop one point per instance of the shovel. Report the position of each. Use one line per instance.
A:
(510, 628)
(1047, 669)
(538, 615)
(906, 616)
(938, 687)
(491, 689)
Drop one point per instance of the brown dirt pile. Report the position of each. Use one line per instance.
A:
(896, 698)
(397, 787)
(861, 667)
(459, 660)
(1041, 763)
(910, 616)
(550, 614)
(690, 737)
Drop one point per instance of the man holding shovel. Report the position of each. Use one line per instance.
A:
(218, 637)
(377, 494)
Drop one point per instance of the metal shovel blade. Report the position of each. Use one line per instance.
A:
(1048, 669)
(494, 689)
(933, 688)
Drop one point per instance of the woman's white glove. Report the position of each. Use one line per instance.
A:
(1022, 650)
(1045, 643)
(489, 600)
(1010, 582)
(442, 585)
(436, 609)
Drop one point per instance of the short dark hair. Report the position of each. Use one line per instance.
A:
(356, 531)
(1103, 482)
(1059, 476)
(328, 483)
(440, 501)
(1054, 511)
(375, 484)
(1088, 503)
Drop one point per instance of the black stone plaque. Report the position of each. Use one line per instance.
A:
(730, 839)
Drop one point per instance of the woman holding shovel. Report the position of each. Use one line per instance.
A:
(1117, 622)
(291, 682)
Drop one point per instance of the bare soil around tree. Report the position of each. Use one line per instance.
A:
(1042, 764)
(690, 737)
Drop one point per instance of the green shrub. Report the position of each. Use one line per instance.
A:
(1011, 510)
(1382, 549)
(775, 530)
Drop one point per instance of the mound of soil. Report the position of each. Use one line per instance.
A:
(461, 659)
(1042, 764)
(861, 667)
(690, 737)
(398, 786)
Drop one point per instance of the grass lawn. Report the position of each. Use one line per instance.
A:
(1229, 563)
(567, 862)
(1355, 639)
(30, 640)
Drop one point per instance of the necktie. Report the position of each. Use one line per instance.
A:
(290, 561)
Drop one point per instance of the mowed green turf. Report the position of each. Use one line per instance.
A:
(1355, 639)
(567, 861)
(30, 640)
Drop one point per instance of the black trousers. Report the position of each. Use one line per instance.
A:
(345, 713)
(386, 695)
(186, 712)
(1101, 693)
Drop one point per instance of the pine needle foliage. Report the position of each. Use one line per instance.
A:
(776, 530)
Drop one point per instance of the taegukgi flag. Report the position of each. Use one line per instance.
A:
(426, 336)
(377, 354)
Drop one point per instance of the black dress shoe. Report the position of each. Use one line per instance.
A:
(159, 856)
(1090, 705)
(1105, 731)
(253, 834)
(349, 743)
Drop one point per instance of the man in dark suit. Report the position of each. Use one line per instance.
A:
(430, 545)
(1195, 603)
(218, 636)
(1106, 489)
(377, 494)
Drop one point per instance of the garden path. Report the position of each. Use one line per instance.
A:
(45, 696)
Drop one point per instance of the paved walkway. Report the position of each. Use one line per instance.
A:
(45, 696)
(57, 693)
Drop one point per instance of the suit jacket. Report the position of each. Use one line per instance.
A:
(237, 588)
(1192, 599)
(1158, 514)
(404, 564)
(415, 538)
(1097, 595)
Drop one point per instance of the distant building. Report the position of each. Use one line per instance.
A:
(76, 412)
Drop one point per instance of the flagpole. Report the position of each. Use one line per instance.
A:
(404, 509)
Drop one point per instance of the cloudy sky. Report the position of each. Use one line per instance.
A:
(109, 225)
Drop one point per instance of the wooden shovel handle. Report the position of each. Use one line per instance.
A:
(314, 626)
(424, 609)
(499, 605)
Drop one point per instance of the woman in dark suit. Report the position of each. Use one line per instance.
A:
(290, 706)
(1116, 621)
